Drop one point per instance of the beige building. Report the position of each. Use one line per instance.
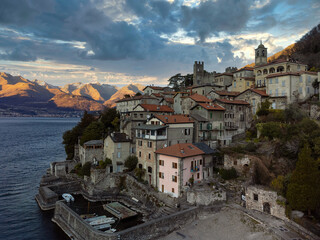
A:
(148, 90)
(117, 147)
(222, 94)
(288, 87)
(158, 132)
(243, 79)
(254, 97)
(223, 79)
(263, 68)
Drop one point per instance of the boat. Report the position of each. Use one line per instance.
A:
(102, 226)
(68, 197)
(102, 221)
(95, 218)
(111, 230)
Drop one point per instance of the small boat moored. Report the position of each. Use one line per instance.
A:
(102, 226)
(68, 197)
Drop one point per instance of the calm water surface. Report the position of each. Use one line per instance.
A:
(27, 146)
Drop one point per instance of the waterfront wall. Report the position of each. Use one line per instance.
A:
(77, 229)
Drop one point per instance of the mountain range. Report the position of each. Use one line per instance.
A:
(20, 96)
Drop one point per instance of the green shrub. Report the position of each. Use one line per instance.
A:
(250, 147)
(86, 169)
(131, 162)
(271, 130)
(139, 172)
(105, 163)
(228, 174)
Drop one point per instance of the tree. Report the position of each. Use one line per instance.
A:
(131, 162)
(303, 190)
(263, 109)
(271, 130)
(94, 131)
(315, 84)
(108, 119)
(139, 172)
(178, 81)
(70, 137)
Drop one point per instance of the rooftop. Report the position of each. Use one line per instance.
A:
(150, 127)
(226, 93)
(237, 102)
(205, 148)
(119, 137)
(181, 150)
(199, 98)
(135, 98)
(198, 118)
(174, 119)
(211, 107)
(156, 108)
(155, 87)
(93, 143)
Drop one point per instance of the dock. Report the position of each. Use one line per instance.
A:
(119, 210)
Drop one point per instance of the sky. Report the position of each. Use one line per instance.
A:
(119, 42)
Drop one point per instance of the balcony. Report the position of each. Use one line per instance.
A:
(195, 169)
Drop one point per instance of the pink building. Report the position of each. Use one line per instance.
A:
(176, 165)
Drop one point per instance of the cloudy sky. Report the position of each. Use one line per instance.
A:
(142, 41)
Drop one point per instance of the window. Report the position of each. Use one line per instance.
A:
(119, 154)
(174, 178)
(241, 117)
(140, 143)
(200, 161)
(270, 92)
(174, 165)
(283, 83)
(198, 175)
(283, 93)
(161, 162)
(149, 156)
(149, 169)
(161, 175)
(141, 115)
(270, 81)
(308, 90)
(211, 115)
(140, 166)
(277, 80)
(149, 144)
(253, 102)
(234, 84)
(119, 145)
(309, 79)
(276, 92)
(255, 197)
(300, 79)
(187, 131)
(139, 154)
(300, 90)
(248, 84)
(172, 190)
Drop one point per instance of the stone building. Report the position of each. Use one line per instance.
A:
(212, 130)
(148, 90)
(167, 101)
(254, 97)
(200, 76)
(158, 132)
(261, 199)
(117, 147)
(241, 164)
(289, 87)
(126, 105)
(139, 115)
(224, 80)
(243, 79)
(204, 89)
(222, 94)
(237, 118)
(177, 101)
(189, 101)
(176, 165)
(91, 151)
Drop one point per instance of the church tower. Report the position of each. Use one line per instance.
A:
(261, 55)
(198, 73)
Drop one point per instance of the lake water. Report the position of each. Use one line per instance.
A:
(27, 147)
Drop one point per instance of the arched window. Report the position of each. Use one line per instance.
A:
(149, 169)
(288, 68)
(271, 70)
(280, 69)
(259, 73)
(262, 53)
(257, 53)
(265, 71)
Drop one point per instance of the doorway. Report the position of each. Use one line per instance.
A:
(266, 207)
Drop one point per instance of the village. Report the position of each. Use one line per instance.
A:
(177, 140)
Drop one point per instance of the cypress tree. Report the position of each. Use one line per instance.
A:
(303, 190)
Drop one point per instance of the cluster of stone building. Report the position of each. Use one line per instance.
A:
(174, 134)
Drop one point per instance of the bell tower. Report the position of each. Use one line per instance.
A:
(261, 55)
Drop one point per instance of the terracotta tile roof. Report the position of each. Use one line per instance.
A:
(199, 98)
(237, 102)
(211, 107)
(178, 118)
(226, 93)
(156, 108)
(279, 74)
(260, 92)
(135, 98)
(181, 150)
(245, 68)
(169, 100)
(157, 94)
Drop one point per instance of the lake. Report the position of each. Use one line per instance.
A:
(27, 147)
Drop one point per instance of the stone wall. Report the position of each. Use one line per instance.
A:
(264, 200)
(240, 163)
(200, 196)
(75, 227)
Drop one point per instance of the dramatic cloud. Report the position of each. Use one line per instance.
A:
(155, 38)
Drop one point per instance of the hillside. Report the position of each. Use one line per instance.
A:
(20, 94)
(130, 89)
